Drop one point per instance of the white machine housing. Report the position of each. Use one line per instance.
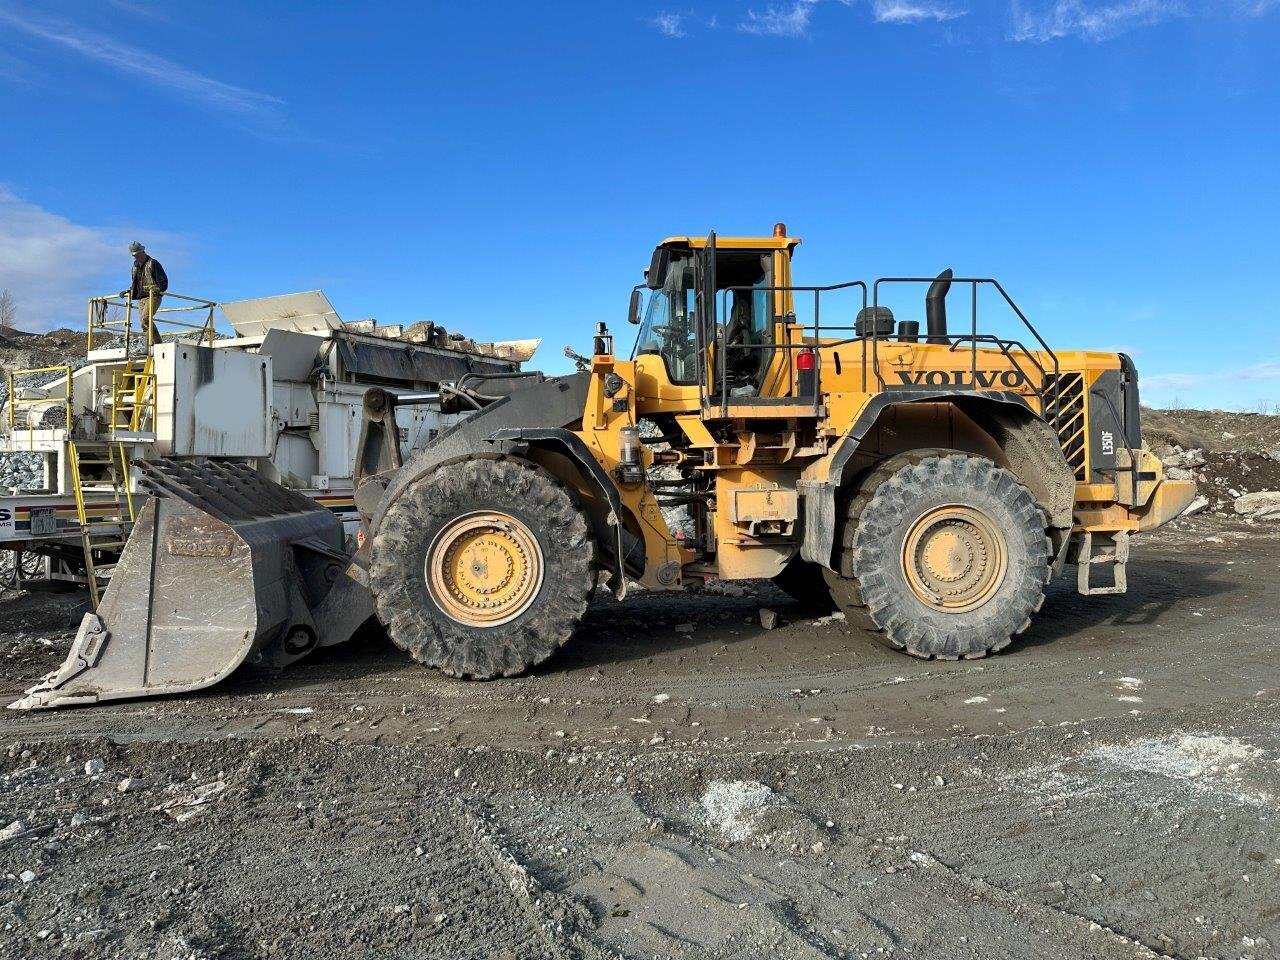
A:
(284, 395)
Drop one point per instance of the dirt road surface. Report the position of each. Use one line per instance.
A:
(680, 782)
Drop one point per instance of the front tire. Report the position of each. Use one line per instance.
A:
(950, 556)
(483, 568)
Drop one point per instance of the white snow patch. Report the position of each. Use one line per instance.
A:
(973, 700)
(837, 617)
(1051, 785)
(1189, 756)
(1187, 768)
(1129, 683)
(1201, 764)
(732, 806)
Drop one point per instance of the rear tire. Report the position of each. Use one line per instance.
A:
(845, 590)
(948, 555)
(483, 568)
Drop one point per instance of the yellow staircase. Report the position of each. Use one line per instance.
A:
(133, 396)
(100, 472)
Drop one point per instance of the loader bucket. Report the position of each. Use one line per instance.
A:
(222, 566)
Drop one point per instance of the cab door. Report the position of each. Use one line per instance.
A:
(706, 318)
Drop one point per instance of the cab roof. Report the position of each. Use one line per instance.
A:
(733, 243)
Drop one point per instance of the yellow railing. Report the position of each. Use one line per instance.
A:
(113, 316)
(15, 401)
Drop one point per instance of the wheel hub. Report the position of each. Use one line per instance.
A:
(954, 558)
(484, 569)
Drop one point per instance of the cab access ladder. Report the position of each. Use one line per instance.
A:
(100, 471)
(98, 468)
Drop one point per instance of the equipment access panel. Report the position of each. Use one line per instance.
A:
(212, 402)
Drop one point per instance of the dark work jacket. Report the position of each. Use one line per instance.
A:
(146, 274)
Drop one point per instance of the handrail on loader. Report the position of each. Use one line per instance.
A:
(105, 316)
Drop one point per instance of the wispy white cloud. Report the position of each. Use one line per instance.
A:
(1098, 20)
(147, 9)
(1254, 8)
(678, 24)
(913, 11)
(1028, 20)
(1265, 370)
(1090, 20)
(794, 19)
(670, 24)
(785, 20)
(52, 265)
(148, 66)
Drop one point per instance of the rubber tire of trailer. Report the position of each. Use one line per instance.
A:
(871, 581)
(506, 485)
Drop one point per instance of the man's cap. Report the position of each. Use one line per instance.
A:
(136, 247)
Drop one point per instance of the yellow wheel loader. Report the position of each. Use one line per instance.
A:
(930, 483)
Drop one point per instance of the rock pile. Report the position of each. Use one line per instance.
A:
(1241, 482)
(24, 471)
(20, 471)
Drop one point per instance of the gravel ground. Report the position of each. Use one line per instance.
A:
(681, 783)
(1108, 788)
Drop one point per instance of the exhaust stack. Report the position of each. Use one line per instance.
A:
(935, 307)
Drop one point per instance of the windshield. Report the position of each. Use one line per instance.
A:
(668, 328)
(745, 314)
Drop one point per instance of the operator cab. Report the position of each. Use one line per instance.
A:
(705, 291)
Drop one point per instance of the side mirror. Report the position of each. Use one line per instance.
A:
(633, 311)
(657, 273)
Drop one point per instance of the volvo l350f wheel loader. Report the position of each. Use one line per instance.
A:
(929, 483)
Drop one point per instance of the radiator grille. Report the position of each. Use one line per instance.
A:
(1066, 413)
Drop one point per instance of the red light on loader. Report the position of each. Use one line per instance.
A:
(806, 360)
(779, 229)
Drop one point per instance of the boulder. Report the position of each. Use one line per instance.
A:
(1258, 502)
(1185, 459)
(1198, 505)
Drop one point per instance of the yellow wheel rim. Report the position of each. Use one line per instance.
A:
(484, 569)
(954, 558)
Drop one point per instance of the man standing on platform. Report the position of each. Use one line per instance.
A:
(147, 287)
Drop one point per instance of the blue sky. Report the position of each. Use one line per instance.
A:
(505, 169)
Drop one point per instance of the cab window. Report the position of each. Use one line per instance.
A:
(744, 308)
(668, 329)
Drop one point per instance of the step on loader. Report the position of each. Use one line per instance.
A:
(927, 483)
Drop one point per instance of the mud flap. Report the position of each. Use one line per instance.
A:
(222, 566)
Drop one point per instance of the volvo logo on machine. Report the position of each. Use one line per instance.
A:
(982, 379)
